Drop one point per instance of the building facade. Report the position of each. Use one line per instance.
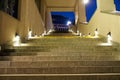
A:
(19, 16)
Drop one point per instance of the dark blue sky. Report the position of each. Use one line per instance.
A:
(90, 9)
(117, 4)
(69, 15)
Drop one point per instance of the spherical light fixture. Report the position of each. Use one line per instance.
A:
(109, 38)
(16, 40)
(85, 1)
(68, 23)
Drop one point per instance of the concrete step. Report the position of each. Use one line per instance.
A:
(63, 41)
(54, 47)
(61, 58)
(64, 44)
(63, 53)
(58, 48)
(96, 76)
(109, 48)
(61, 70)
(57, 64)
(69, 38)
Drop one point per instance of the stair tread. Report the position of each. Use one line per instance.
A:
(61, 55)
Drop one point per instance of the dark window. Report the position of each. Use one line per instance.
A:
(10, 7)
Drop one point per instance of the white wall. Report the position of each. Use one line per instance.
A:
(49, 21)
(81, 12)
(105, 23)
(29, 18)
(106, 5)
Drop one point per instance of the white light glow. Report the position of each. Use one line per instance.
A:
(85, 1)
(89, 35)
(70, 30)
(16, 40)
(24, 44)
(105, 44)
(68, 23)
(96, 34)
(117, 12)
(50, 31)
(109, 39)
(80, 34)
(43, 34)
(29, 34)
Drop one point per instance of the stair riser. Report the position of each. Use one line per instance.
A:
(63, 53)
(48, 64)
(82, 77)
(68, 70)
(60, 58)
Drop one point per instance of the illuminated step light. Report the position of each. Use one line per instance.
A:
(30, 34)
(96, 33)
(105, 44)
(50, 31)
(44, 33)
(78, 33)
(109, 38)
(35, 36)
(85, 1)
(89, 35)
(16, 40)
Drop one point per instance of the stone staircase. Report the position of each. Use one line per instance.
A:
(60, 58)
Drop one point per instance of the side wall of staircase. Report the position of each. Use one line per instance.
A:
(104, 22)
(8, 27)
(29, 18)
(49, 24)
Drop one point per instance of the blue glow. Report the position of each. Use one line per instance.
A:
(117, 4)
(68, 15)
(90, 9)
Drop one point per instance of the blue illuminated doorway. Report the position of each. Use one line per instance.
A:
(60, 20)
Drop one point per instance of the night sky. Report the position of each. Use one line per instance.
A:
(117, 4)
(90, 9)
(69, 15)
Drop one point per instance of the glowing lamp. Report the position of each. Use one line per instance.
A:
(109, 38)
(68, 23)
(85, 1)
(16, 40)
(89, 35)
(80, 34)
(44, 33)
(50, 31)
(29, 34)
(96, 33)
